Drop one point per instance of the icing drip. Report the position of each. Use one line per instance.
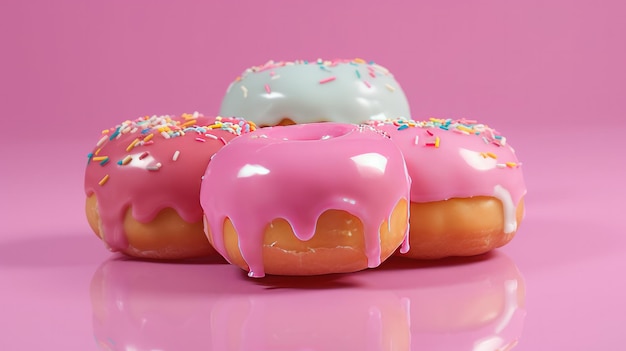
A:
(510, 222)
(297, 173)
(347, 91)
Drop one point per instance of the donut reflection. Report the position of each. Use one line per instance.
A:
(473, 304)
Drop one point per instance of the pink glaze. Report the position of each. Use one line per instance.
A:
(156, 176)
(458, 159)
(297, 173)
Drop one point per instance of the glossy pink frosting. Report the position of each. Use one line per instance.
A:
(297, 173)
(458, 159)
(162, 171)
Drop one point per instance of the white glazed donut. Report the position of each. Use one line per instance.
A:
(346, 91)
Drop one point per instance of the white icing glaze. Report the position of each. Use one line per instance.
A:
(510, 221)
(348, 91)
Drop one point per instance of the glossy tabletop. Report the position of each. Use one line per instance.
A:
(558, 284)
(549, 75)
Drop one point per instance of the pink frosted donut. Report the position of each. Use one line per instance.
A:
(142, 183)
(467, 186)
(307, 199)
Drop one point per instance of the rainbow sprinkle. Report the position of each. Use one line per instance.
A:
(461, 126)
(327, 80)
(104, 180)
(373, 69)
(146, 128)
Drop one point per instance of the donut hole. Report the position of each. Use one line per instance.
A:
(338, 245)
(310, 132)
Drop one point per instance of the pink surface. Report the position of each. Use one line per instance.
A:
(547, 74)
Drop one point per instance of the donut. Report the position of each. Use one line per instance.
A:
(467, 186)
(142, 183)
(307, 199)
(345, 91)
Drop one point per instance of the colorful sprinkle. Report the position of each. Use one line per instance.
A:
(267, 89)
(326, 80)
(102, 140)
(116, 133)
(126, 160)
(103, 180)
(146, 127)
(132, 145)
(155, 167)
(470, 128)
(189, 123)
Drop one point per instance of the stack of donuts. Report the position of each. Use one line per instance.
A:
(317, 169)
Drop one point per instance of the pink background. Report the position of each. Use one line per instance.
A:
(550, 75)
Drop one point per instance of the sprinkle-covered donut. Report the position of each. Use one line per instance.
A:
(307, 199)
(347, 91)
(467, 186)
(142, 183)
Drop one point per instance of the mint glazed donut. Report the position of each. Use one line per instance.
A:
(307, 199)
(467, 191)
(345, 91)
